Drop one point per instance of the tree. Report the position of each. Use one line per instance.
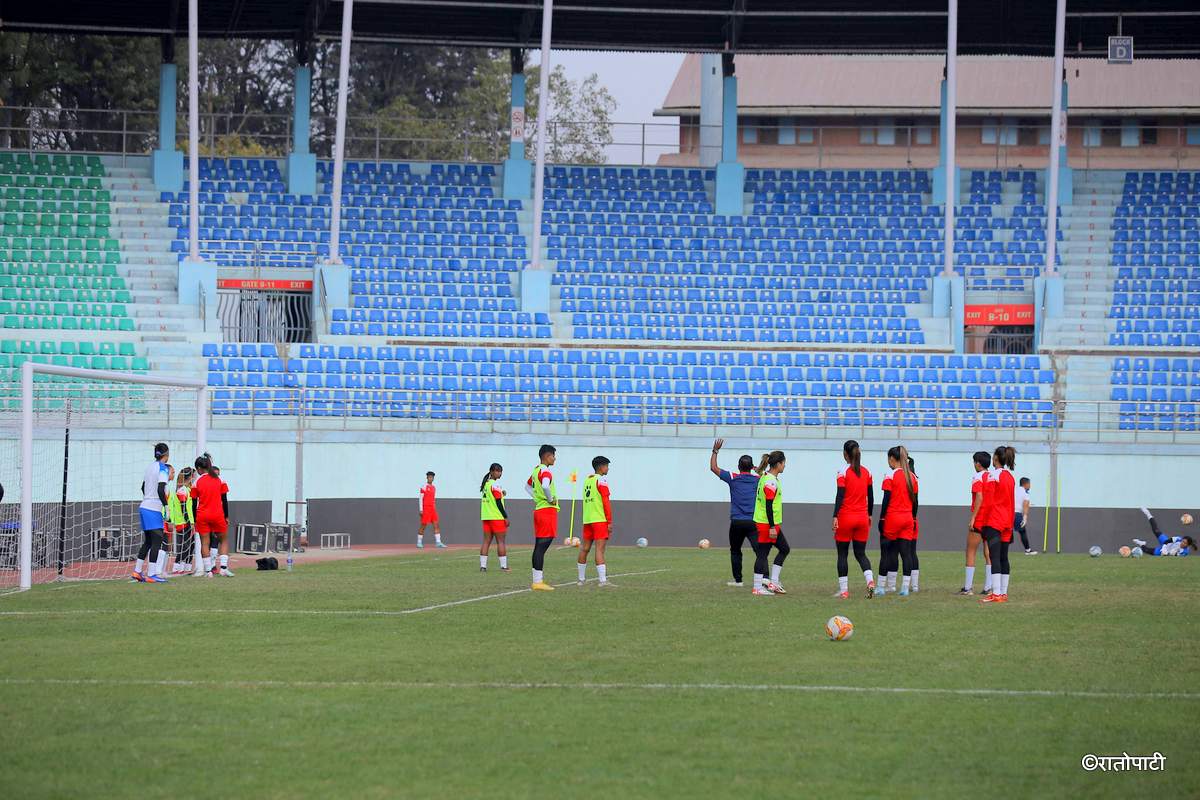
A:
(580, 126)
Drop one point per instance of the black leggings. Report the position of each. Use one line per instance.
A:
(887, 553)
(904, 552)
(762, 550)
(860, 553)
(740, 530)
(999, 551)
(540, 546)
(151, 544)
(916, 562)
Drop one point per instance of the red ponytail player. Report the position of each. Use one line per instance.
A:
(209, 511)
(852, 510)
(897, 518)
(998, 530)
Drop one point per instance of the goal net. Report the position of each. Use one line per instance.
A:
(74, 447)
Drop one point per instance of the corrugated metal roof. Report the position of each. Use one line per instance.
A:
(840, 84)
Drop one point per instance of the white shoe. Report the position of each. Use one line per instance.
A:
(738, 584)
(226, 572)
(1031, 552)
(1140, 542)
(580, 583)
(1146, 511)
(206, 574)
(776, 588)
(606, 583)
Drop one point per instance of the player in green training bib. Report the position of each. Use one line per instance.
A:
(597, 520)
(768, 518)
(494, 517)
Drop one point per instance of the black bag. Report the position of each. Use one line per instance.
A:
(270, 562)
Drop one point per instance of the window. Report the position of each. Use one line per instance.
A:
(1043, 134)
(866, 134)
(1193, 134)
(887, 131)
(923, 134)
(787, 131)
(804, 136)
(750, 134)
(1008, 133)
(768, 131)
(1149, 131)
(990, 133)
(1131, 134)
(1091, 133)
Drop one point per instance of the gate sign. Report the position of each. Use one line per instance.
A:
(999, 314)
(1120, 49)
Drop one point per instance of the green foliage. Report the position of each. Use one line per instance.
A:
(580, 126)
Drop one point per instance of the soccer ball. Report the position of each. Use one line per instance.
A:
(1094, 551)
(1186, 519)
(1124, 551)
(572, 541)
(641, 542)
(1137, 552)
(839, 628)
(704, 544)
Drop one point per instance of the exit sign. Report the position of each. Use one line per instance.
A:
(1120, 49)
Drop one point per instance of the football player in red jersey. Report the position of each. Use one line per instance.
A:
(979, 513)
(897, 516)
(852, 510)
(427, 509)
(998, 531)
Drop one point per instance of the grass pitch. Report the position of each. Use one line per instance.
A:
(311, 684)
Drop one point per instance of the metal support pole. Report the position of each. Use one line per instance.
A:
(193, 130)
(339, 145)
(1060, 16)
(539, 174)
(951, 126)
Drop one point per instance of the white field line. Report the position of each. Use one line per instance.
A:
(299, 611)
(605, 687)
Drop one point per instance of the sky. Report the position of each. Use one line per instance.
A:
(639, 83)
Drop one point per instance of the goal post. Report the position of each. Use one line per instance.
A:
(104, 403)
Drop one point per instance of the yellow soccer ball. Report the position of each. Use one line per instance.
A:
(1124, 551)
(1186, 519)
(704, 544)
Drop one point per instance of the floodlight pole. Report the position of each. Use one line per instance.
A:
(1056, 122)
(339, 144)
(951, 128)
(539, 174)
(193, 130)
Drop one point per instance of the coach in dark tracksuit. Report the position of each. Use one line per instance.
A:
(742, 487)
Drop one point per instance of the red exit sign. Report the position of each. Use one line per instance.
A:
(999, 314)
(275, 285)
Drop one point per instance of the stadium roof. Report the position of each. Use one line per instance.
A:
(1168, 28)
(823, 85)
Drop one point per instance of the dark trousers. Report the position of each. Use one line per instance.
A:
(151, 544)
(762, 552)
(540, 546)
(843, 562)
(1019, 527)
(740, 530)
(998, 550)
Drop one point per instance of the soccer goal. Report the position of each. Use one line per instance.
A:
(82, 440)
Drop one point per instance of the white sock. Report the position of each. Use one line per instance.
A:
(916, 579)
(437, 538)
(420, 539)
(207, 563)
(844, 584)
(1146, 511)
(537, 576)
(758, 580)
(775, 570)
(603, 570)
(907, 583)
(503, 562)
(891, 581)
(582, 569)
(224, 562)
(987, 577)
(483, 561)
(868, 576)
(161, 565)
(970, 578)
(1004, 586)
(139, 565)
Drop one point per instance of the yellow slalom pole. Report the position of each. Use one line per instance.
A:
(1046, 527)
(571, 527)
(1058, 542)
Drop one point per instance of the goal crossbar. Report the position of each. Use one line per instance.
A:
(28, 370)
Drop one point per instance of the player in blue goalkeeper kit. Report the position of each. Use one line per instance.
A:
(1167, 545)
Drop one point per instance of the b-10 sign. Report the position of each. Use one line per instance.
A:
(999, 314)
